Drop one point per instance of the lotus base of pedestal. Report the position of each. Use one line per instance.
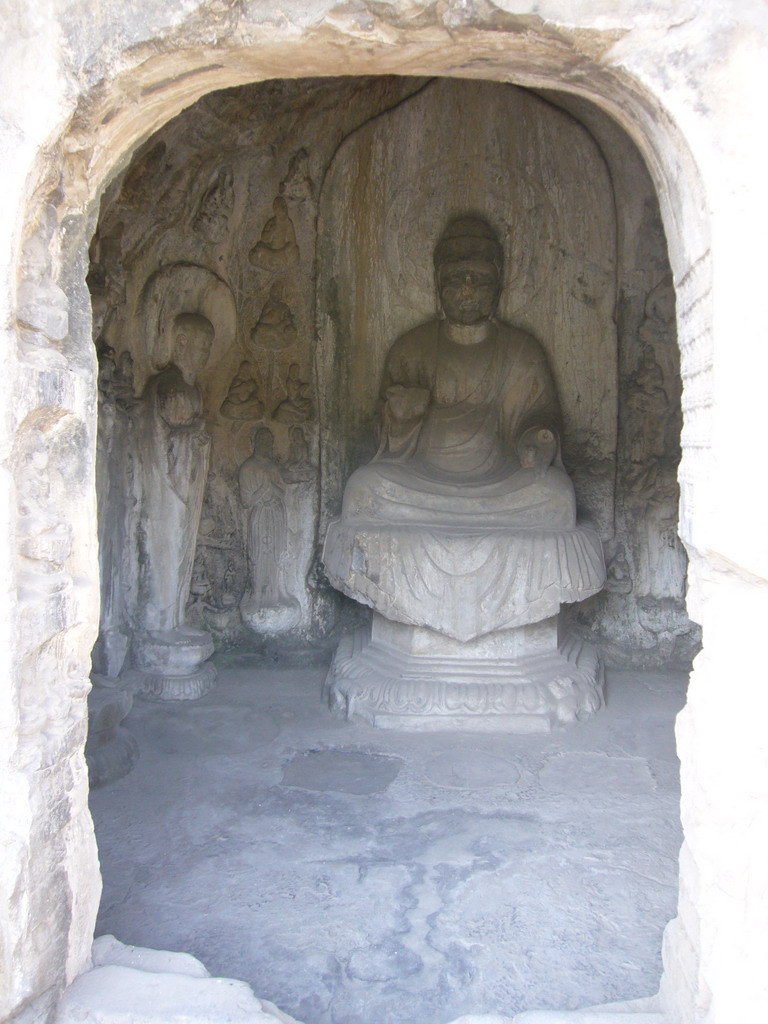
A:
(172, 665)
(395, 676)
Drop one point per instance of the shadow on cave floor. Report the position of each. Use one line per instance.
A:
(357, 876)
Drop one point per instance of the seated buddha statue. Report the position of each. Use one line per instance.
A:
(464, 523)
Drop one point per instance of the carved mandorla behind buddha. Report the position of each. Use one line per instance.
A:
(461, 533)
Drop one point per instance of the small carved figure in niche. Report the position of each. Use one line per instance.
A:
(212, 219)
(298, 469)
(107, 375)
(297, 184)
(173, 451)
(228, 597)
(276, 328)
(297, 407)
(619, 578)
(242, 401)
(277, 250)
(200, 586)
(647, 406)
(266, 608)
(106, 276)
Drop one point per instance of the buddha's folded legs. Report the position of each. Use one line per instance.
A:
(401, 494)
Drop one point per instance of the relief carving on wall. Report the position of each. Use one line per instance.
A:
(216, 206)
(243, 401)
(276, 327)
(297, 184)
(296, 407)
(277, 250)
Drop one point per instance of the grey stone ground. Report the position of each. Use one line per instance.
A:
(356, 876)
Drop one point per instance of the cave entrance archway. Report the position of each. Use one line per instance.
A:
(107, 131)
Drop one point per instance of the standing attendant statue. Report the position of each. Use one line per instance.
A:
(265, 606)
(461, 534)
(173, 449)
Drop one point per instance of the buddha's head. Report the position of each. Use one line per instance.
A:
(468, 268)
(263, 442)
(193, 336)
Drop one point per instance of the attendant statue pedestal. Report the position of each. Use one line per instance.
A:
(461, 534)
(173, 664)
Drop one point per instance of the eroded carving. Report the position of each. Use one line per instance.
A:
(243, 401)
(212, 217)
(276, 250)
(42, 305)
(111, 750)
(298, 467)
(266, 607)
(276, 328)
(297, 406)
(297, 184)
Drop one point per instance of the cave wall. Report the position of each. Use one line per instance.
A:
(216, 214)
(256, 200)
(640, 618)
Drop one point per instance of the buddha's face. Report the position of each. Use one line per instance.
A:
(469, 290)
(263, 442)
(192, 342)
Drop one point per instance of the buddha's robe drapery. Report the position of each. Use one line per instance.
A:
(445, 528)
(173, 450)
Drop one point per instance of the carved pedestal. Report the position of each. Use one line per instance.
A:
(515, 680)
(172, 664)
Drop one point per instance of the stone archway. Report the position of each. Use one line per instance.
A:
(55, 606)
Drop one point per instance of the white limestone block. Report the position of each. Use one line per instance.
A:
(110, 952)
(123, 995)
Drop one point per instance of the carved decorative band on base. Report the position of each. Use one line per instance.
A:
(172, 665)
(389, 689)
(157, 686)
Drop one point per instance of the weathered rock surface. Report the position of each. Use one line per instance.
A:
(131, 985)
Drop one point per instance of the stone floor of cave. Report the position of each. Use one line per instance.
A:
(354, 875)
